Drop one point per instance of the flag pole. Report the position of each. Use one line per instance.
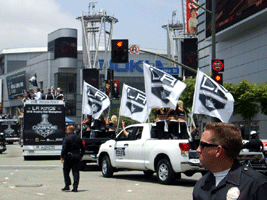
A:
(118, 123)
(82, 111)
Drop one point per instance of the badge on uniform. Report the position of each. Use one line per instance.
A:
(233, 193)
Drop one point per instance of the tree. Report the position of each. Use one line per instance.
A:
(248, 96)
(188, 93)
(262, 97)
(245, 95)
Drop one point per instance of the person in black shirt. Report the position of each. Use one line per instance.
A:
(219, 147)
(161, 123)
(71, 155)
(49, 95)
(254, 144)
(98, 125)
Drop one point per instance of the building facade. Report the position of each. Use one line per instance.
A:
(241, 32)
(60, 65)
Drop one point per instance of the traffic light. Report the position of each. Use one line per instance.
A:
(217, 67)
(119, 51)
(218, 77)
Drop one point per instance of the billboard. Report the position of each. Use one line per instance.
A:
(229, 12)
(64, 47)
(16, 85)
(191, 17)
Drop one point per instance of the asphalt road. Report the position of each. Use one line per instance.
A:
(43, 179)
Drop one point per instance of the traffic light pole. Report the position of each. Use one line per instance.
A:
(213, 30)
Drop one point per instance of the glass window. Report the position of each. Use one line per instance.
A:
(67, 83)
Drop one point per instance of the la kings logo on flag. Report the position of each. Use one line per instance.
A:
(162, 89)
(94, 101)
(95, 98)
(211, 95)
(163, 84)
(212, 99)
(134, 104)
(136, 100)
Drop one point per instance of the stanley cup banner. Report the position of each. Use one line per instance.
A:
(10, 128)
(133, 104)
(44, 122)
(212, 99)
(162, 89)
(94, 101)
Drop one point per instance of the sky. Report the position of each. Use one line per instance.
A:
(27, 23)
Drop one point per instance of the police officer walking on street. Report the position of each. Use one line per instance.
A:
(254, 144)
(219, 147)
(71, 155)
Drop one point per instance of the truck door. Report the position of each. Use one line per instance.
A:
(121, 148)
(135, 149)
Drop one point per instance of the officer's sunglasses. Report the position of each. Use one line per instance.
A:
(202, 145)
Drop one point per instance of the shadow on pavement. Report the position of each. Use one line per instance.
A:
(186, 182)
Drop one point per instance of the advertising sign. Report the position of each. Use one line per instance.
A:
(230, 12)
(65, 47)
(191, 17)
(16, 85)
(44, 122)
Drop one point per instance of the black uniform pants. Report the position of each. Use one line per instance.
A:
(72, 162)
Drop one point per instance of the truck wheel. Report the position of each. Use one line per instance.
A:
(165, 174)
(148, 173)
(107, 169)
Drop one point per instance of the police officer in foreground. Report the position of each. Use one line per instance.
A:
(71, 155)
(254, 144)
(219, 147)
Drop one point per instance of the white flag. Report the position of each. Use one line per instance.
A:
(94, 101)
(162, 89)
(212, 99)
(133, 104)
(33, 80)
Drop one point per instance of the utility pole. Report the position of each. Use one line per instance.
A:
(213, 31)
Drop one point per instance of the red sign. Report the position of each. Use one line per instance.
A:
(134, 49)
(191, 17)
(218, 65)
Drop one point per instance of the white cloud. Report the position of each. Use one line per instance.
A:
(26, 23)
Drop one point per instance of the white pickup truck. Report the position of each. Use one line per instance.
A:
(141, 151)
